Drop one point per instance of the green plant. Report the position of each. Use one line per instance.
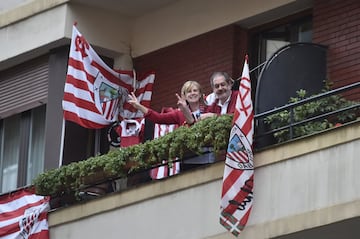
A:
(120, 162)
(309, 110)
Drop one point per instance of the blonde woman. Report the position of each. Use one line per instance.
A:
(190, 103)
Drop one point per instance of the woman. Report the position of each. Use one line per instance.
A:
(190, 103)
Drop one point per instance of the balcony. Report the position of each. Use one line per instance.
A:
(304, 187)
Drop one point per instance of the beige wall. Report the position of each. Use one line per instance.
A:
(37, 27)
(188, 18)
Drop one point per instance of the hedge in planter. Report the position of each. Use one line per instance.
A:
(120, 162)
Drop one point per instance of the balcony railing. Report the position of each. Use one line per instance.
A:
(264, 135)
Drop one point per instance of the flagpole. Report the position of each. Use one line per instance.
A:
(258, 66)
(134, 79)
(62, 142)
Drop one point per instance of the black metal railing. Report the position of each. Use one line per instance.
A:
(263, 132)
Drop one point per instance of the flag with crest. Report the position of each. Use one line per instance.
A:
(95, 95)
(237, 189)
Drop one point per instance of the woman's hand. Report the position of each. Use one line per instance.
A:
(132, 99)
(182, 104)
(136, 104)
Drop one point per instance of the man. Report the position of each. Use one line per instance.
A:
(225, 98)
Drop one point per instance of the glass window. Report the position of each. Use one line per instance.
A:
(35, 162)
(22, 148)
(268, 41)
(10, 151)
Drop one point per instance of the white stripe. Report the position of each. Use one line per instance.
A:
(40, 226)
(20, 202)
(24, 201)
(78, 93)
(235, 187)
(84, 113)
(147, 80)
(79, 74)
(161, 172)
(144, 96)
(11, 236)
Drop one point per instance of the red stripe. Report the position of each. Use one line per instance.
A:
(248, 126)
(44, 234)
(111, 108)
(79, 65)
(16, 195)
(79, 84)
(20, 211)
(239, 156)
(229, 180)
(80, 103)
(245, 218)
(110, 77)
(147, 87)
(9, 229)
(81, 121)
(239, 197)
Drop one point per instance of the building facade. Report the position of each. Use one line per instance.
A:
(180, 40)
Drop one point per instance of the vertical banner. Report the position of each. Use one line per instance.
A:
(237, 189)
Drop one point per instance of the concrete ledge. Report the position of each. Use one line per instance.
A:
(308, 144)
(27, 10)
(137, 194)
(296, 223)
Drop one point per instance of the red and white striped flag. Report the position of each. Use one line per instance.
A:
(142, 87)
(168, 168)
(237, 189)
(24, 215)
(95, 94)
(132, 126)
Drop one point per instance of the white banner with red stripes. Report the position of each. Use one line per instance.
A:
(94, 94)
(168, 168)
(24, 215)
(237, 189)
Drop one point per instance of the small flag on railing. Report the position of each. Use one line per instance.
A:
(237, 190)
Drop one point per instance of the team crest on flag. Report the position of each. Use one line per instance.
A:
(239, 154)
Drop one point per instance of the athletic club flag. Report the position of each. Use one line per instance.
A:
(24, 215)
(237, 189)
(96, 95)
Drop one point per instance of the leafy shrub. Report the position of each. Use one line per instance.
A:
(307, 111)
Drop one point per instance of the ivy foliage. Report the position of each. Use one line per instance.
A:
(120, 162)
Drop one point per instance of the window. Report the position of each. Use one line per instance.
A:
(21, 148)
(268, 41)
